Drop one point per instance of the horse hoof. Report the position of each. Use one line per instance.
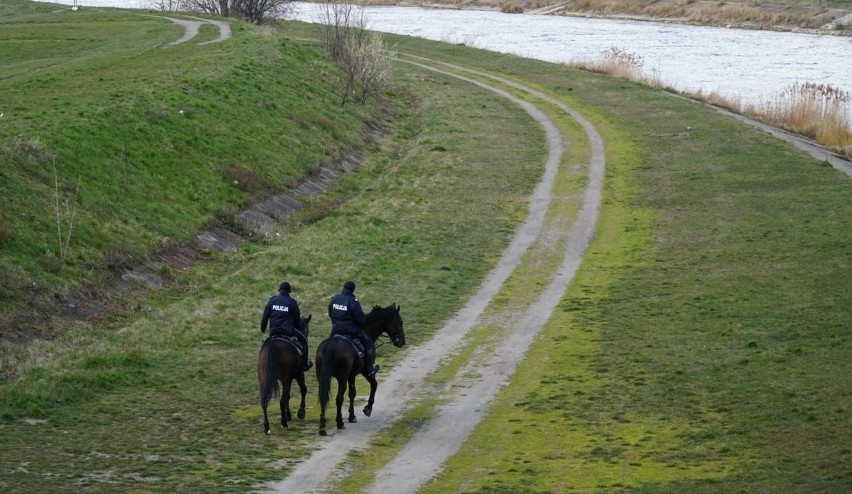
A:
(353, 420)
(268, 432)
(341, 426)
(367, 411)
(323, 432)
(301, 414)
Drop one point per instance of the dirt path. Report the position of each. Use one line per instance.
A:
(445, 433)
(191, 27)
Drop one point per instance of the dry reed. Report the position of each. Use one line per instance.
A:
(819, 111)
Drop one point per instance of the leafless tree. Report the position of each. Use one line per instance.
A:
(254, 11)
(257, 11)
(209, 7)
(360, 54)
(167, 5)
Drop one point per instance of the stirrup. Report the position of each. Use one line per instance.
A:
(376, 369)
(308, 366)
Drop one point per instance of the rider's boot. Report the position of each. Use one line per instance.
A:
(369, 364)
(308, 365)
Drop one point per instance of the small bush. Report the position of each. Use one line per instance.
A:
(511, 8)
(118, 257)
(243, 178)
(30, 155)
(28, 149)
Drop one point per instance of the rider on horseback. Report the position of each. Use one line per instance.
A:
(347, 318)
(282, 314)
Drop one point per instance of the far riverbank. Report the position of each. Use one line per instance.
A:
(810, 19)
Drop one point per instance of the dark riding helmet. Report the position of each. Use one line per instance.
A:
(285, 287)
(349, 285)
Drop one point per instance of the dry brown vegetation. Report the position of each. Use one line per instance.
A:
(783, 15)
(819, 111)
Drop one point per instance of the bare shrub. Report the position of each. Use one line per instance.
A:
(258, 11)
(118, 257)
(361, 57)
(511, 7)
(30, 154)
(32, 149)
(168, 5)
(65, 213)
(254, 11)
(209, 7)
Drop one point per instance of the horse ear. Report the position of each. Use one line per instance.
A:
(398, 307)
(309, 317)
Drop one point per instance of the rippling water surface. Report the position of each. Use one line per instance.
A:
(752, 65)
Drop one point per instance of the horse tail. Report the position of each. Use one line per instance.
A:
(269, 383)
(326, 372)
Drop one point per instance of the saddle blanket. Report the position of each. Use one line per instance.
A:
(355, 342)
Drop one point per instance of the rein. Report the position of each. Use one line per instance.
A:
(379, 341)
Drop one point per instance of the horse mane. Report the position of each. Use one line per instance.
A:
(379, 308)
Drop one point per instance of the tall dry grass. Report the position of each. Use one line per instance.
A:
(817, 111)
(622, 64)
(713, 13)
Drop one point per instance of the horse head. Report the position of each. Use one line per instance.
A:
(305, 325)
(395, 328)
(386, 320)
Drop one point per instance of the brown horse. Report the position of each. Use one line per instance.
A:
(280, 360)
(336, 357)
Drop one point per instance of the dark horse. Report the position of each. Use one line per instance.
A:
(279, 360)
(337, 358)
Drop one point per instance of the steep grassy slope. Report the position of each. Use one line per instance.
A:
(114, 143)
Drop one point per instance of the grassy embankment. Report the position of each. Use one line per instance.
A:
(114, 144)
(699, 349)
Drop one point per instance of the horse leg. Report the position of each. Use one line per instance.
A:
(265, 421)
(322, 431)
(285, 403)
(373, 385)
(352, 393)
(303, 389)
(341, 390)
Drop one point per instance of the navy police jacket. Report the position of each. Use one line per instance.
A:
(347, 316)
(282, 315)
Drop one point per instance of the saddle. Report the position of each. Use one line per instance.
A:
(355, 342)
(292, 340)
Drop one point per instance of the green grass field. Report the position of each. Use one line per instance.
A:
(141, 142)
(703, 346)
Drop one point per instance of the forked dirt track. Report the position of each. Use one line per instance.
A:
(442, 436)
(191, 28)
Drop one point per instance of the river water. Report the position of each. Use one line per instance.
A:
(747, 65)
(742, 64)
